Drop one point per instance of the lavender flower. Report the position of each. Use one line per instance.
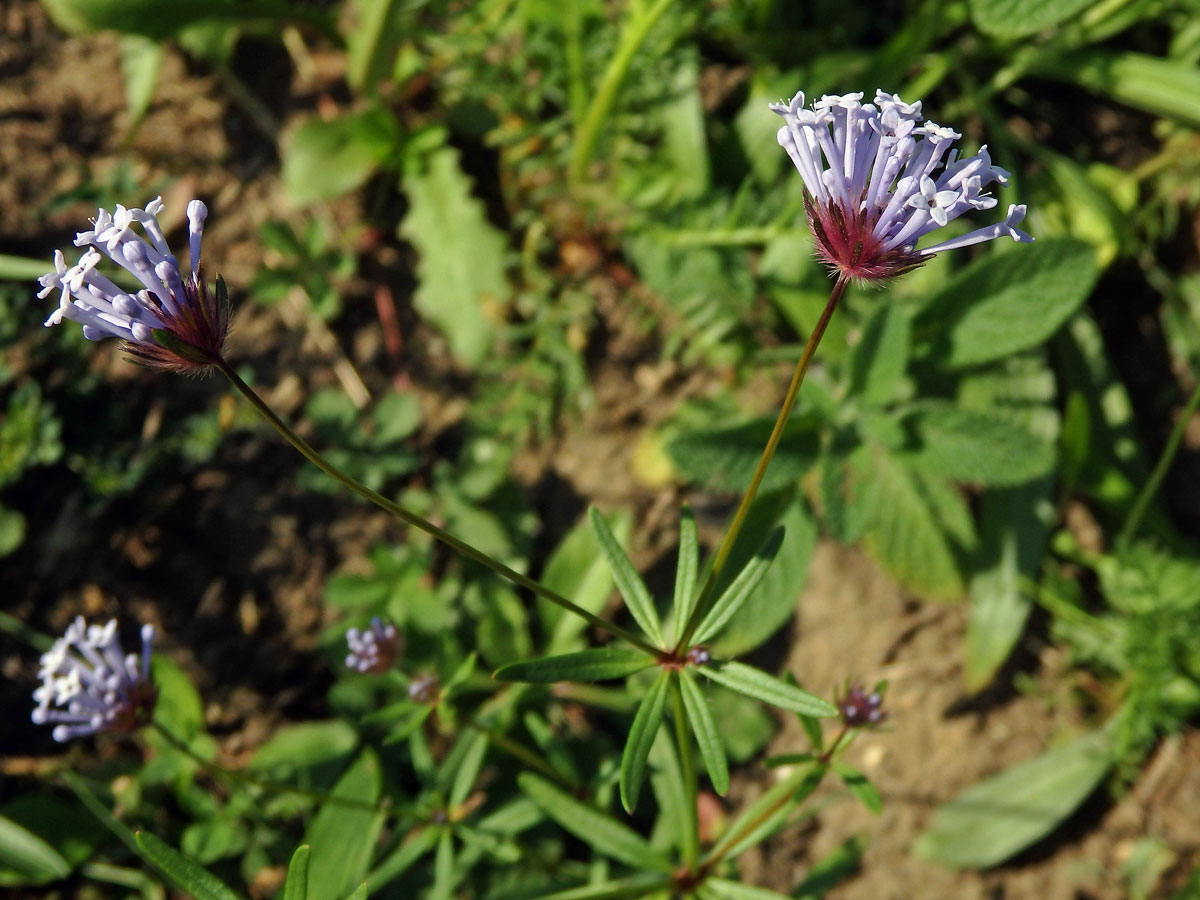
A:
(374, 650)
(174, 322)
(89, 685)
(876, 182)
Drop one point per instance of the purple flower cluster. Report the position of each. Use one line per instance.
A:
(89, 685)
(877, 179)
(374, 649)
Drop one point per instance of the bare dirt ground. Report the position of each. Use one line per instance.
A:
(230, 564)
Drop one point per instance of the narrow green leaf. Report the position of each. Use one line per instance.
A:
(859, 786)
(629, 582)
(740, 590)
(641, 737)
(1006, 302)
(976, 447)
(1165, 87)
(743, 832)
(359, 893)
(712, 748)
(598, 664)
(737, 890)
(1002, 815)
(600, 831)
(342, 834)
(141, 59)
(372, 45)
(634, 886)
(296, 885)
(576, 569)
(686, 568)
(832, 869)
(182, 873)
(26, 859)
(400, 860)
(758, 684)
(443, 867)
(879, 360)
(468, 770)
(812, 728)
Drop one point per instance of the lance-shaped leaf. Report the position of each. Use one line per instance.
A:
(599, 664)
(622, 888)
(723, 889)
(740, 589)
(641, 737)
(758, 684)
(712, 748)
(859, 786)
(629, 582)
(764, 816)
(685, 571)
(599, 831)
(186, 875)
(296, 885)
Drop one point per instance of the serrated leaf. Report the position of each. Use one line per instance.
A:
(184, 874)
(1006, 302)
(686, 568)
(758, 684)
(633, 589)
(342, 834)
(296, 885)
(462, 266)
(895, 521)
(641, 738)
(712, 748)
(880, 358)
(740, 589)
(976, 447)
(1021, 18)
(599, 831)
(326, 158)
(859, 786)
(26, 859)
(1002, 815)
(598, 664)
(725, 458)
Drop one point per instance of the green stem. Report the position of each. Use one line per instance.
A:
(739, 517)
(242, 778)
(1154, 482)
(461, 547)
(687, 763)
(524, 754)
(632, 37)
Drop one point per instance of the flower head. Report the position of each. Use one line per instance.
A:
(174, 322)
(859, 709)
(877, 180)
(373, 650)
(89, 685)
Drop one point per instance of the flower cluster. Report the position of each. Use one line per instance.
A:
(373, 650)
(877, 180)
(859, 709)
(174, 322)
(89, 685)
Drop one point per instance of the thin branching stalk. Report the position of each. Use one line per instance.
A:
(687, 764)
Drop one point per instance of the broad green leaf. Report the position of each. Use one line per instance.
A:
(1021, 18)
(178, 708)
(343, 832)
(55, 819)
(634, 591)
(596, 829)
(724, 458)
(1165, 87)
(740, 590)
(26, 859)
(896, 523)
(684, 144)
(685, 569)
(414, 846)
(1006, 302)
(641, 738)
(209, 840)
(296, 885)
(758, 684)
(859, 786)
(599, 664)
(326, 158)
(976, 447)
(184, 874)
(577, 570)
(156, 19)
(880, 358)
(712, 750)
(724, 889)
(462, 256)
(306, 746)
(1002, 815)
(1015, 525)
(140, 62)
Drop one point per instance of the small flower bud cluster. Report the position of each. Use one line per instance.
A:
(373, 650)
(89, 685)
(877, 180)
(173, 322)
(859, 709)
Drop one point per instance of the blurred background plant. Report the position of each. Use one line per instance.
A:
(513, 258)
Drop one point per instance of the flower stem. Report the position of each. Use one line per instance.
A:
(683, 737)
(524, 754)
(739, 517)
(1154, 482)
(461, 547)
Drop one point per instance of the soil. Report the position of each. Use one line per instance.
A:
(230, 563)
